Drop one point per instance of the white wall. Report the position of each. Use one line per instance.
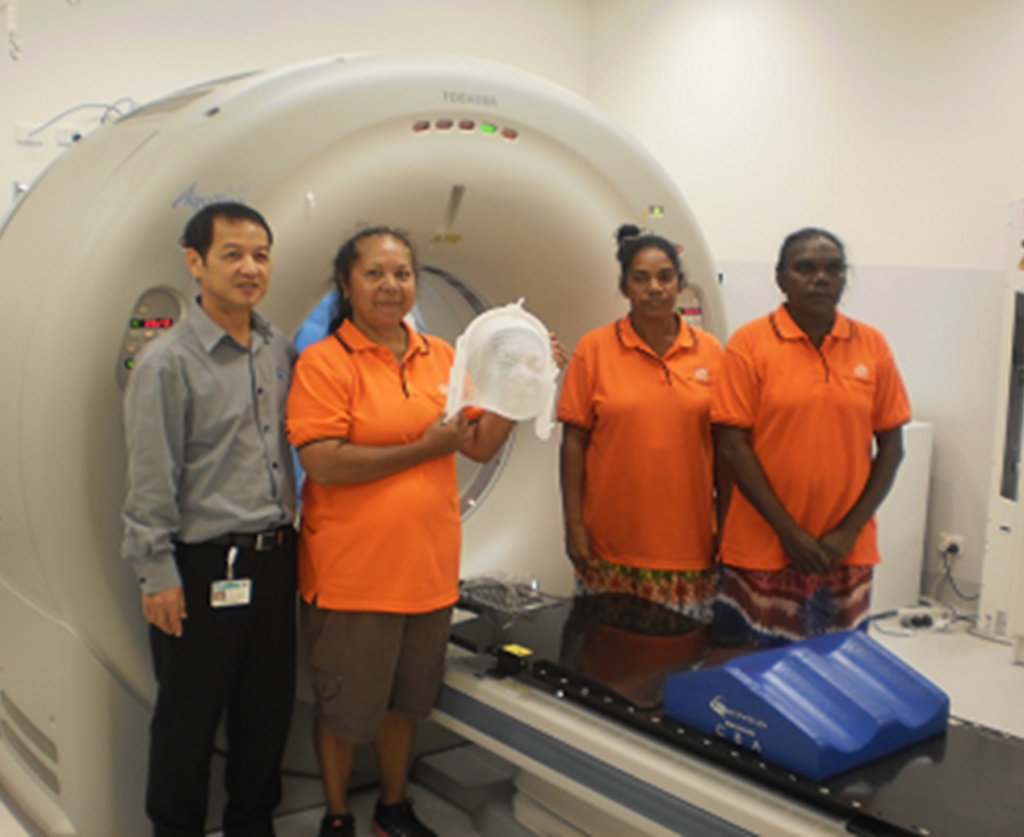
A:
(897, 123)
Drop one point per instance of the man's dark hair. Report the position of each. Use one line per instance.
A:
(198, 233)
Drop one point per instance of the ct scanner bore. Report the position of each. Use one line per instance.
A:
(506, 183)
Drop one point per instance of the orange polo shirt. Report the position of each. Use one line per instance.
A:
(647, 500)
(812, 416)
(391, 544)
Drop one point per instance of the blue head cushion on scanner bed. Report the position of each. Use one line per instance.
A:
(818, 707)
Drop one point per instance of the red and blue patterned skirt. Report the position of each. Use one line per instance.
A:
(770, 608)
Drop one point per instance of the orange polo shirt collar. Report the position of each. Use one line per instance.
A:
(787, 329)
(631, 340)
(355, 341)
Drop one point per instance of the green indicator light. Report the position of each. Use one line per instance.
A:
(488, 128)
(137, 324)
(129, 363)
(655, 210)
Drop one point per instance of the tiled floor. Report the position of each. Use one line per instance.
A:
(443, 818)
(439, 815)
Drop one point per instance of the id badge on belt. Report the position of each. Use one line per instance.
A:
(231, 591)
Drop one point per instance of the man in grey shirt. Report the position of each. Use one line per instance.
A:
(209, 532)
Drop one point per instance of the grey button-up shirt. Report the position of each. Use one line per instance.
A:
(207, 453)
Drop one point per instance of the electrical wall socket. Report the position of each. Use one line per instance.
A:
(950, 544)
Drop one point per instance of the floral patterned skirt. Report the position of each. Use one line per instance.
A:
(690, 592)
(769, 608)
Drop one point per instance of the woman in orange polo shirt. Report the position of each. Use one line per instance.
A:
(802, 396)
(379, 545)
(637, 465)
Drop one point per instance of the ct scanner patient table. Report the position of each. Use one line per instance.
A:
(647, 775)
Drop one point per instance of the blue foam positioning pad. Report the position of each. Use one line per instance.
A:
(817, 707)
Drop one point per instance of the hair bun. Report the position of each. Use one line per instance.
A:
(627, 231)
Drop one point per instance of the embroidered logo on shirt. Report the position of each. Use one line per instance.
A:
(701, 374)
(861, 371)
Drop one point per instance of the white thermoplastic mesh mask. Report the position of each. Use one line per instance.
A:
(503, 364)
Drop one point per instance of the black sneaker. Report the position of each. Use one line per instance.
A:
(398, 820)
(338, 825)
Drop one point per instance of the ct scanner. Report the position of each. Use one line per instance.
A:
(510, 187)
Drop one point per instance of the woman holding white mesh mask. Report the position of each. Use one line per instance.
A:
(380, 538)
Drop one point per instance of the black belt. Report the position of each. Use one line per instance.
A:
(259, 541)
